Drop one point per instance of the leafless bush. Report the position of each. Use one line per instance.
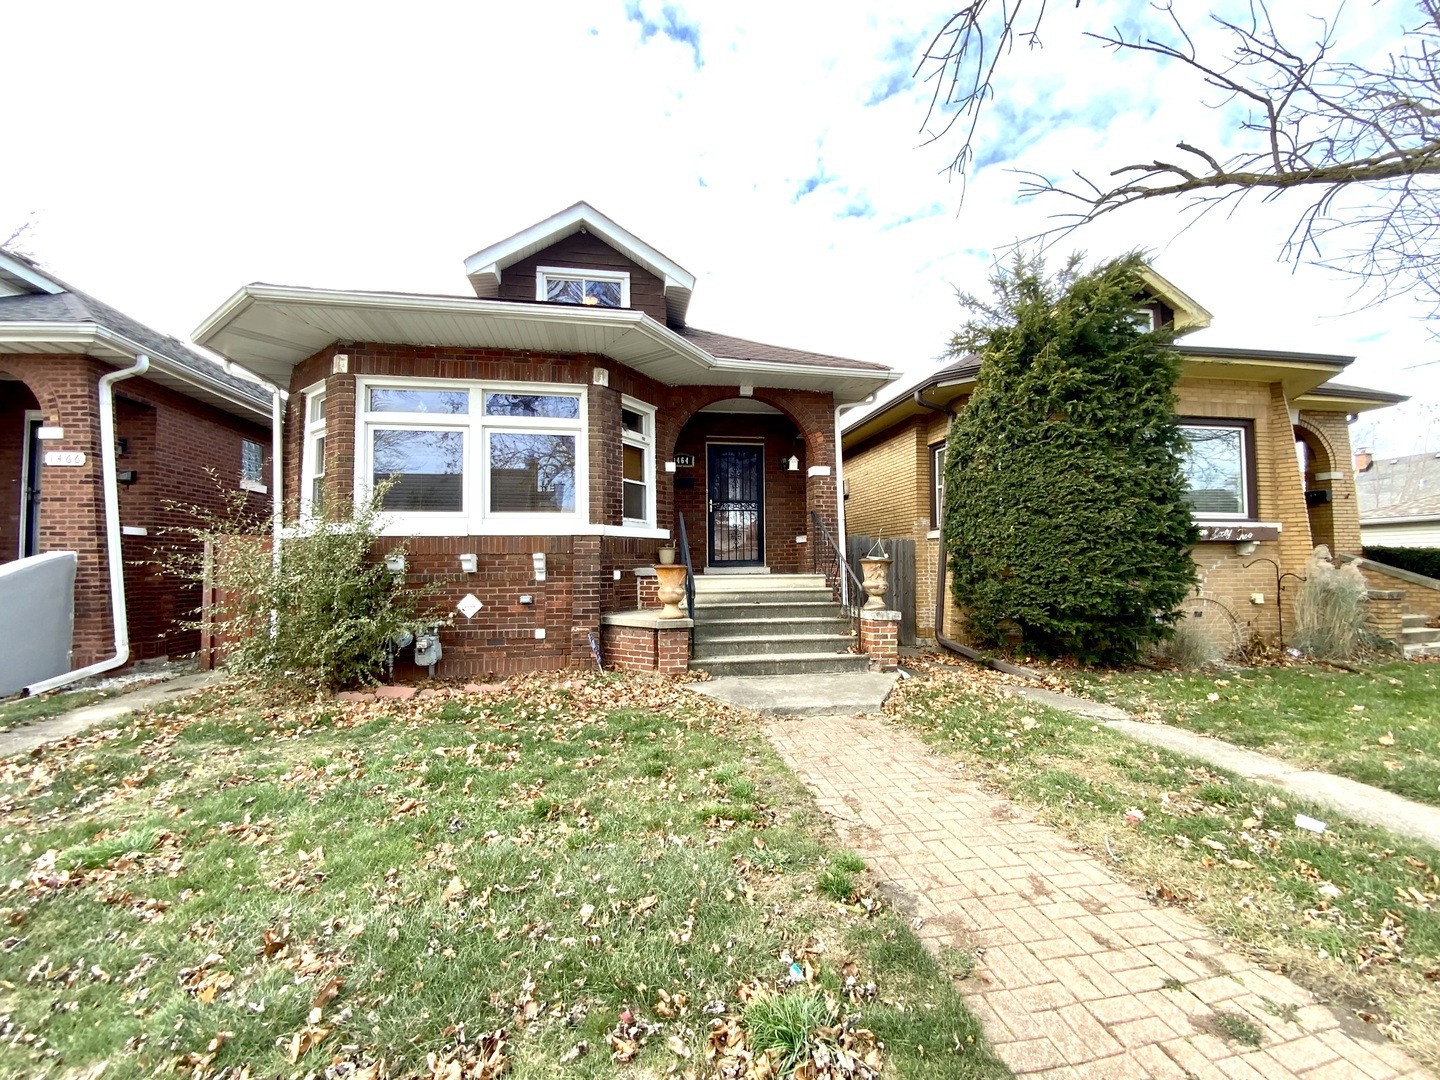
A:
(1329, 608)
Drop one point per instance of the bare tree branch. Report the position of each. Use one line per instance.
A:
(1365, 140)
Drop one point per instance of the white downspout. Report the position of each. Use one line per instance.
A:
(840, 494)
(111, 493)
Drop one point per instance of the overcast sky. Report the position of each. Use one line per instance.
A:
(170, 154)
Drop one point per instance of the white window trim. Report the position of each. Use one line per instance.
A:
(646, 443)
(313, 429)
(475, 519)
(937, 485)
(543, 274)
(1246, 449)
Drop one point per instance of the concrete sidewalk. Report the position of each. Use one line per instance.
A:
(1079, 976)
(1361, 802)
(58, 727)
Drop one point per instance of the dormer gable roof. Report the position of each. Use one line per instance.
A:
(1189, 315)
(485, 267)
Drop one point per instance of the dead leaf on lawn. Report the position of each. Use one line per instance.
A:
(306, 1039)
(1388, 739)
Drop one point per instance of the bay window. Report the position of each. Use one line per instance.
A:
(464, 458)
(1219, 468)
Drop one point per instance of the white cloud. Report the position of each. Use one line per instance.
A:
(175, 153)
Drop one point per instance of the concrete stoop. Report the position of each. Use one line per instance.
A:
(1418, 639)
(749, 625)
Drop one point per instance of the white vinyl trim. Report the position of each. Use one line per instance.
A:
(545, 274)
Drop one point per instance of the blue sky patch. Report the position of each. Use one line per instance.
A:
(673, 24)
(816, 180)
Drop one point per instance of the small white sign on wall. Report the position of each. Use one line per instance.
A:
(65, 457)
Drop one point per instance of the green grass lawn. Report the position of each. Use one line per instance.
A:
(597, 877)
(1354, 914)
(27, 710)
(1382, 728)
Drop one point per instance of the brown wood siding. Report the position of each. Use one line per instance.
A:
(586, 251)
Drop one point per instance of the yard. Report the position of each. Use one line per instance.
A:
(597, 877)
(1353, 913)
(1381, 729)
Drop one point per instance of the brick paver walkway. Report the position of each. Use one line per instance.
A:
(1078, 975)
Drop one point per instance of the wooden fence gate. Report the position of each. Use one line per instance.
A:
(901, 596)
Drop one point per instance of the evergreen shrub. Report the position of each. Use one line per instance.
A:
(1065, 504)
(1418, 560)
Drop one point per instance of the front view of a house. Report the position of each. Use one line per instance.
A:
(556, 425)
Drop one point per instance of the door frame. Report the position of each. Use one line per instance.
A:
(757, 445)
(28, 440)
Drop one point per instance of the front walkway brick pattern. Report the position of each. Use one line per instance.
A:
(1078, 975)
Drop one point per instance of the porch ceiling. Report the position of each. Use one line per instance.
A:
(269, 329)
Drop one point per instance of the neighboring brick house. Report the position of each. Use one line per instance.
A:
(184, 416)
(1253, 417)
(559, 420)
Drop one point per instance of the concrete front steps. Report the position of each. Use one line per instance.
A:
(770, 624)
(1416, 639)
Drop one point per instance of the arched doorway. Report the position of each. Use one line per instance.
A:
(1318, 471)
(740, 482)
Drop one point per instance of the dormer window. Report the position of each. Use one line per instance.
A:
(589, 288)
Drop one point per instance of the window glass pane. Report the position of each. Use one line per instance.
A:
(1214, 470)
(390, 399)
(427, 466)
(317, 494)
(634, 464)
(564, 291)
(553, 406)
(633, 421)
(252, 461)
(634, 500)
(604, 293)
(317, 407)
(320, 456)
(532, 473)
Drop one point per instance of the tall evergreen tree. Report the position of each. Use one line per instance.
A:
(1064, 506)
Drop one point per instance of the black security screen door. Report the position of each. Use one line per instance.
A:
(736, 506)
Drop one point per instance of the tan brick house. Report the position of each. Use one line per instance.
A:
(66, 361)
(1269, 468)
(556, 425)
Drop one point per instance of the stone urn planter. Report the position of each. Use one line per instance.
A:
(877, 581)
(672, 590)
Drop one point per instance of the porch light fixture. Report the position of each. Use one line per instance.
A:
(395, 563)
(1246, 547)
(792, 464)
(539, 560)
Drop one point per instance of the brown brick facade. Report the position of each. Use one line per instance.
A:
(169, 443)
(581, 581)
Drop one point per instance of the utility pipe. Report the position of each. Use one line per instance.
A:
(840, 496)
(111, 492)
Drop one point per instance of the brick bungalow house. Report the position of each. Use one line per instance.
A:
(555, 426)
(182, 415)
(1252, 416)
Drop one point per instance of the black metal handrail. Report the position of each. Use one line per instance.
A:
(840, 562)
(689, 569)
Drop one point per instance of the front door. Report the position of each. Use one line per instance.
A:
(737, 505)
(30, 487)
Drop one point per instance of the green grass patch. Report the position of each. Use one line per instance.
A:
(27, 710)
(1382, 728)
(540, 864)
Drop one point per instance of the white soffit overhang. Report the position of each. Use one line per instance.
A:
(91, 339)
(269, 329)
(486, 266)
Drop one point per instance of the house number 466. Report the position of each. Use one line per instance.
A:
(64, 457)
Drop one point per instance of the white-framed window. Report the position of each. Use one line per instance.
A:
(252, 466)
(463, 457)
(590, 288)
(937, 485)
(1144, 319)
(637, 473)
(312, 461)
(1219, 467)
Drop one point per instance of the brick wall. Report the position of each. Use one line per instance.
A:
(171, 441)
(581, 581)
(639, 648)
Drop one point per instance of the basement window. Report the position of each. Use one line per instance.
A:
(588, 288)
